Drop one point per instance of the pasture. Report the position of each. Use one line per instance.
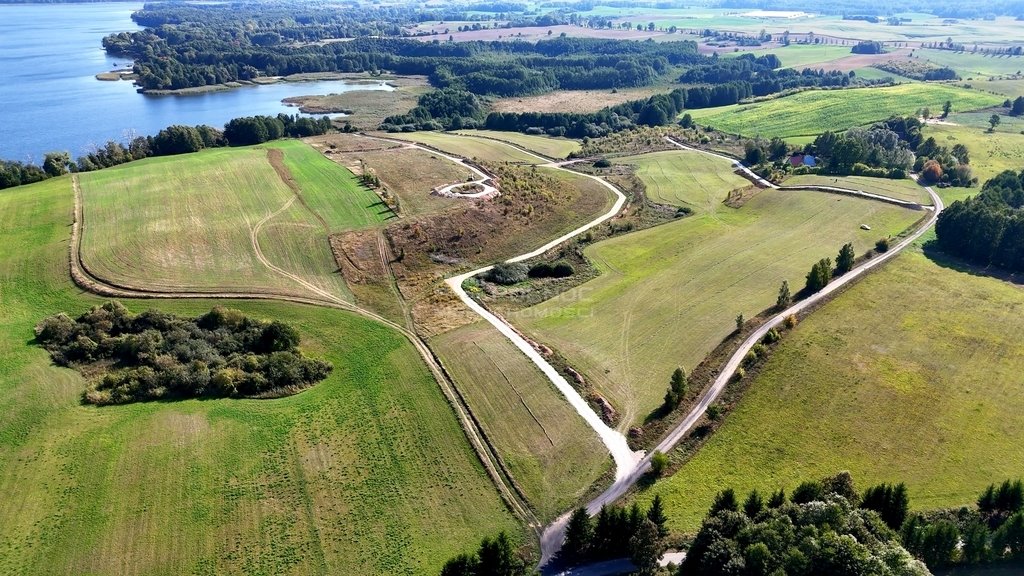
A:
(196, 222)
(974, 65)
(905, 189)
(683, 178)
(470, 147)
(557, 148)
(552, 454)
(366, 473)
(911, 375)
(668, 295)
(816, 111)
(990, 153)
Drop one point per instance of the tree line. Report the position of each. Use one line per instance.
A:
(156, 355)
(176, 139)
(987, 229)
(828, 527)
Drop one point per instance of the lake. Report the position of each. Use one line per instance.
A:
(51, 100)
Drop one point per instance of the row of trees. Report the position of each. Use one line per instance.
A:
(495, 557)
(987, 229)
(616, 532)
(822, 272)
(156, 355)
(177, 139)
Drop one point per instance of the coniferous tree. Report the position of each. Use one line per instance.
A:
(656, 514)
(753, 505)
(845, 260)
(785, 297)
(579, 535)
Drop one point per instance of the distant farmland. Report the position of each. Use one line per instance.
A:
(816, 111)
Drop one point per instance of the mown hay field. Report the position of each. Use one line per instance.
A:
(912, 375)
(816, 111)
(189, 222)
(366, 473)
(905, 189)
(974, 65)
(668, 295)
(685, 178)
(557, 148)
(991, 153)
(470, 147)
(552, 453)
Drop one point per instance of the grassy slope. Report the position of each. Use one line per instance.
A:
(330, 190)
(901, 189)
(551, 147)
(685, 178)
(815, 111)
(668, 295)
(184, 222)
(469, 147)
(913, 375)
(550, 451)
(802, 56)
(990, 153)
(367, 473)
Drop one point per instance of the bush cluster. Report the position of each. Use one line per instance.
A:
(508, 273)
(556, 270)
(156, 355)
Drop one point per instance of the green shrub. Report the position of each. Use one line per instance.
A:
(603, 163)
(882, 245)
(507, 273)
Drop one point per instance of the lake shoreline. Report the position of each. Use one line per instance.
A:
(356, 79)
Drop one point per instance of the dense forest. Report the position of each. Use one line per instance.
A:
(156, 355)
(187, 45)
(987, 229)
(172, 140)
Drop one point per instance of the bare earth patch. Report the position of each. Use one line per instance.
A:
(575, 100)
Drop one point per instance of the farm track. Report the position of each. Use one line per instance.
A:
(629, 469)
(486, 452)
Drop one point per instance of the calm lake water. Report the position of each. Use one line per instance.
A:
(51, 100)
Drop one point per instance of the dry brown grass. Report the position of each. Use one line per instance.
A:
(575, 100)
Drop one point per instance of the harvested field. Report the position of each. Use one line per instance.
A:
(481, 149)
(575, 100)
(901, 189)
(556, 148)
(550, 451)
(815, 111)
(684, 178)
(366, 473)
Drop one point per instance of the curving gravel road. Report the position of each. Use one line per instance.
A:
(631, 466)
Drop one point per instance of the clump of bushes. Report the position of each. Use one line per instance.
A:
(557, 270)
(508, 273)
(156, 355)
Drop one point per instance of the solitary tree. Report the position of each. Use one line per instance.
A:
(844, 262)
(739, 322)
(659, 462)
(820, 275)
(993, 121)
(926, 114)
(946, 109)
(785, 298)
(678, 383)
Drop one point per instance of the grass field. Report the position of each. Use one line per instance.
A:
(668, 295)
(550, 451)
(816, 111)
(912, 375)
(187, 222)
(330, 190)
(557, 148)
(901, 189)
(968, 65)
(685, 178)
(575, 100)
(800, 56)
(469, 147)
(366, 473)
(990, 153)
